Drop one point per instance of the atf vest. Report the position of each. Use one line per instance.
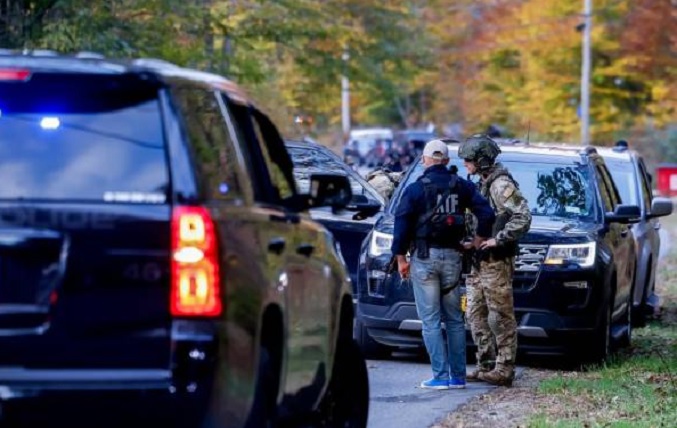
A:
(442, 225)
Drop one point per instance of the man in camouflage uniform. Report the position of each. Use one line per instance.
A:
(490, 309)
(384, 181)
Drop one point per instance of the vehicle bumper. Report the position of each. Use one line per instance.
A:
(193, 353)
(539, 332)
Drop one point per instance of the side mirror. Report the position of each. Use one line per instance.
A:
(624, 214)
(331, 190)
(660, 207)
(364, 206)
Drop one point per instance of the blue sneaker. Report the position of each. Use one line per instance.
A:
(435, 384)
(457, 382)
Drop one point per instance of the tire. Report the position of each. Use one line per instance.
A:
(601, 338)
(371, 349)
(263, 412)
(346, 402)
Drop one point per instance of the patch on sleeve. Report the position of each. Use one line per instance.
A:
(507, 193)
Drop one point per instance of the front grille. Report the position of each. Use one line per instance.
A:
(527, 265)
(530, 257)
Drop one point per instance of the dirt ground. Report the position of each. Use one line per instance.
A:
(503, 407)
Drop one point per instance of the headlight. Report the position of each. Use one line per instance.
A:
(380, 243)
(581, 254)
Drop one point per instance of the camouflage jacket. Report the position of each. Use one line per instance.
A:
(508, 203)
(384, 181)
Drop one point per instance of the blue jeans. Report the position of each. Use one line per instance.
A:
(441, 270)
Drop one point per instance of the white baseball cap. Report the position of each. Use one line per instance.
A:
(436, 149)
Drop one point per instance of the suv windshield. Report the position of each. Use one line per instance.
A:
(103, 144)
(623, 174)
(552, 189)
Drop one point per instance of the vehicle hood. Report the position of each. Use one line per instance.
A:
(557, 229)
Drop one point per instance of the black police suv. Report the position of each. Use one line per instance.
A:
(157, 260)
(573, 274)
(351, 225)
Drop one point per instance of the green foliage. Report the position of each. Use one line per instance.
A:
(411, 61)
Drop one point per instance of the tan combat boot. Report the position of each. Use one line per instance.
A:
(474, 376)
(498, 377)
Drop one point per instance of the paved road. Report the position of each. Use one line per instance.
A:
(397, 401)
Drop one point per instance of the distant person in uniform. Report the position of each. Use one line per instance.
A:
(429, 225)
(384, 181)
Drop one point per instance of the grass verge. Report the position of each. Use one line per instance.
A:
(638, 386)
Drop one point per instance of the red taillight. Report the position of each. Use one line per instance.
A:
(11, 74)
(196, 288)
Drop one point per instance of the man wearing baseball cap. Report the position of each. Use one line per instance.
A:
(429, 227)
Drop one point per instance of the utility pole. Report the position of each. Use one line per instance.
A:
(345, 97)
(585, 73)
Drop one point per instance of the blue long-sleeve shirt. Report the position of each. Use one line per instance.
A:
(413, 205)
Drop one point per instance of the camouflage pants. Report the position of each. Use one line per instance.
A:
(491, 313)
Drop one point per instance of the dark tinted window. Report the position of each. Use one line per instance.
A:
(647, 194)
(266, 157)
(275, 155)
(551, 189)
(76, 140)
(604, 189)
(623, 175)
(213, 148)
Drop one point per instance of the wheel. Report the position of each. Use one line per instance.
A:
(346, 402)
(263, 412)
(370, 348)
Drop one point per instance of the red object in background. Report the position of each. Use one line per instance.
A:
(666, 182)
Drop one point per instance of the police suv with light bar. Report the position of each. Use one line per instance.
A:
(153, 245)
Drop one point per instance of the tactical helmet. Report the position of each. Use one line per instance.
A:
(481, 149)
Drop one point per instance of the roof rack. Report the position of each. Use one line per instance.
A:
(154, 63)
(89, 55)
(40, 52)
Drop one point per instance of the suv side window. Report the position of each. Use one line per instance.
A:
(267, 158)
(275, 154)
(214, 151)
(604, 189)
(612, 192)
(645, 185)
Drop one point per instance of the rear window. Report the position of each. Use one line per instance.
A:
(66, 137)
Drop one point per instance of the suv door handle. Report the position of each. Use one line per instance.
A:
(305, 249)
(657, 226)
(276, 245)
(624, 232)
